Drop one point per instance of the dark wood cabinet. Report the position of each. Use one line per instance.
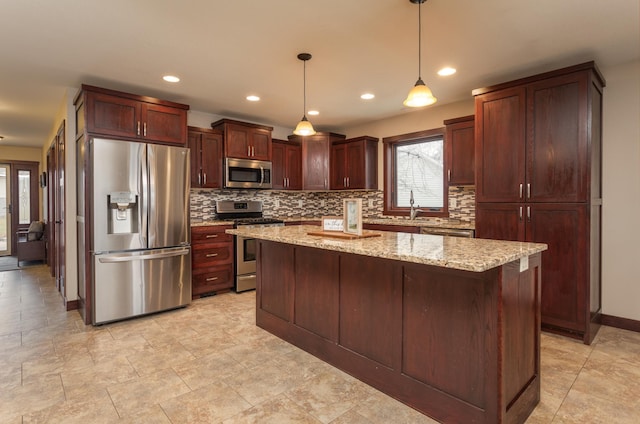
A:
(316, 158)
(245, 140)
(286, 165)
(206, 157)
(211, 259)
(538, 178)
(127, 116)
(354, 164)
(460, 150)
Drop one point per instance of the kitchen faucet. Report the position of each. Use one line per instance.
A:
(413, 212)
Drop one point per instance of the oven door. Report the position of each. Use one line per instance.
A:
(245, 256)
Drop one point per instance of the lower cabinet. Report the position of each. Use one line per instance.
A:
(211, 259)
(570, 266)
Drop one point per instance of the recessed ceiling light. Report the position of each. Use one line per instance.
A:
(367, 96)
(170, 78)
(253, 98)
(313, 112)
(445, 72)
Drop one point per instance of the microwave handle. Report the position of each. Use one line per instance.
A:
(261, 175)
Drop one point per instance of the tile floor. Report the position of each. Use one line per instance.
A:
(208, 363)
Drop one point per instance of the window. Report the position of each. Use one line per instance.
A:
(414, 164)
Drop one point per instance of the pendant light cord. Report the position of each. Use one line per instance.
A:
(304, 88)
(419, 40)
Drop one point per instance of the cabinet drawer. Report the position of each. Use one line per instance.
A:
(212, 255)
(212, 279)
(208, 235)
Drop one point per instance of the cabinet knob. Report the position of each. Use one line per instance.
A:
(520, 191)
(212, 279)
(138, 129)
(144, 129)
(449, 175)
(204, 178)
(520, 214)
(211, 236)
(528, 190)
(211, 255)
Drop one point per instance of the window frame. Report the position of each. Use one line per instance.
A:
(389, 171)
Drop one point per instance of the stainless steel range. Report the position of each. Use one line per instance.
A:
(244, 213)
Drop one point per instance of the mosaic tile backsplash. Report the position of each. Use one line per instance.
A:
(315, 204)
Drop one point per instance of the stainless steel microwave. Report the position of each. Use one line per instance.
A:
(247, 173)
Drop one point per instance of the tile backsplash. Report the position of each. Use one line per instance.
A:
(280, 203)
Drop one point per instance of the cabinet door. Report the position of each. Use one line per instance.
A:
(164, 124)
(278, 166)
(236, 141)
(315, 163)
(500, 145)
(338, 166)
(500, 221)
(460, 153)
(356, 165)
(557, 164)
(193, 143)
(113, 116)
(260, 144)
(294, 167)
(565, 265)
(211, 160)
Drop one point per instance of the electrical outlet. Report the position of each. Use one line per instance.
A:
(277, 203)
(453, 203)
(322, 203)
(299, 203)
(370, 203)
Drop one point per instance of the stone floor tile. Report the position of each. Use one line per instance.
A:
(78, 411)
(581, 408)
(277, 410)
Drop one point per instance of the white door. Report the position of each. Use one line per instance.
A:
(5, 211)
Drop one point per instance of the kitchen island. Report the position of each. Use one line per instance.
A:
(449, 326)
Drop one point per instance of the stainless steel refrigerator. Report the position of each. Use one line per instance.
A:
(140, 231)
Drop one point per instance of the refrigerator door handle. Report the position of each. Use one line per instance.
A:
(144, 192)
(129, 257)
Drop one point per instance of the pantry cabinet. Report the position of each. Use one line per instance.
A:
(245, 140)
(115, 114)
(206, 157)
(316, 158)
(538, 178)
(286, 165)
(459, 147)
(354, 164)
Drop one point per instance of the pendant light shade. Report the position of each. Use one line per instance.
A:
(304, 127)
(420, 95)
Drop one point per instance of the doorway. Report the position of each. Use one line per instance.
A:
(19, 201)
(5, 210)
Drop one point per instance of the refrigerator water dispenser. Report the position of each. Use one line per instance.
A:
(123, 212)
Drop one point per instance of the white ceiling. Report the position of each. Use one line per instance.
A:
(225, 50)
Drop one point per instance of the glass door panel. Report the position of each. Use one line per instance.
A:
(5, 211)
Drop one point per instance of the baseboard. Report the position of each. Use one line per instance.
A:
(622, 323)
(71, 305)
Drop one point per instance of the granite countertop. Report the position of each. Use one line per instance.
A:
(418, 222)
(467, 254)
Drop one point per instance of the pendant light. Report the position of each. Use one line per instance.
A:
(420, 95)
(304, 127)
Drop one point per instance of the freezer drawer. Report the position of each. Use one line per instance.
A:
(137, 283)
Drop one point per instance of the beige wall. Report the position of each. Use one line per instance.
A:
(621, 192)
(621, 178)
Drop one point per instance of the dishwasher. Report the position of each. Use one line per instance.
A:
(451, 232)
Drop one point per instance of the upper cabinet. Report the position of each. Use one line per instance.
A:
(287, 165)
(354, 164)
(533, 139)
(316, 158)
(460, 135)
(206, 157)
(244, 140)
(115, 114)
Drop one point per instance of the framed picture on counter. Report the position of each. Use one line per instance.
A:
(353, 216)
(332, 223)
